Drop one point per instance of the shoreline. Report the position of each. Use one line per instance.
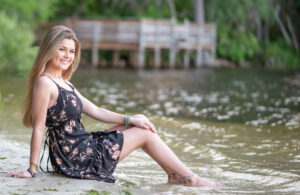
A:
(14, 157)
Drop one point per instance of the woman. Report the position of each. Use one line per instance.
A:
(52, 101)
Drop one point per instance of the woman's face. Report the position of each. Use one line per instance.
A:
(64, 55)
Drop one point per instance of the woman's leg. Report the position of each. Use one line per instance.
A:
(172, 176)
(139, 138)
(151, 143)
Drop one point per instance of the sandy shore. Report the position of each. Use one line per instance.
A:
(14, 156)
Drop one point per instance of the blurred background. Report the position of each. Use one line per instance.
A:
(235, 119)
(257, 33)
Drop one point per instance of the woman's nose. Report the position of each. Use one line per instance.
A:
(66, 54)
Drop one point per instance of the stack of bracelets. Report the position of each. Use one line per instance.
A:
(126, 120)
(33, 168)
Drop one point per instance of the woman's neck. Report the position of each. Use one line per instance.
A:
(54, 73)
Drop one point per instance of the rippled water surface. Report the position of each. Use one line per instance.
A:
(239, 126)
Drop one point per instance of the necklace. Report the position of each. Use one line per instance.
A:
(54, 75)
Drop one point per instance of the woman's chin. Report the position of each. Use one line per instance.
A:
(65, 67)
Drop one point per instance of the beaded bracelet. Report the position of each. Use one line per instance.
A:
(126, 120)
(33, 174)
(189, 176)
(32, 165)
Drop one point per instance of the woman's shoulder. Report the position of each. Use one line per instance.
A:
(44, 82)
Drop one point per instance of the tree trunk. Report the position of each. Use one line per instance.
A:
(199, 11)
(258, 24)
(266, 31)
(291, 29)
(281, 25)
(172, 9)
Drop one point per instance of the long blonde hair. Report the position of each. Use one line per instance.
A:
(47, 50)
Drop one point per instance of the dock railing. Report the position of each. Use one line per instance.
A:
(137, 36)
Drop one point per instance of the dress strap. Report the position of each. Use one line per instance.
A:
(46, 143)
(51, 80)
(72, 87)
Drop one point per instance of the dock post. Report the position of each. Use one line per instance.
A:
(214, 38)
(141, 51)
(116, 58)
(157, 54)
(188, 43)
(199, 47)
(96, 39)
(186, 58)
(172, 55)
(132, 59)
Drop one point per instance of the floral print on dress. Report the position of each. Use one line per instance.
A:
(75, 152)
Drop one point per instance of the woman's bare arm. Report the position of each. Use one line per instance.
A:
(41, 98)
(108, 116)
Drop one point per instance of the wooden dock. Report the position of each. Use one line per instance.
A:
(196, 44)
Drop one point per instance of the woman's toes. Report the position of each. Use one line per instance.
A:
(198, 181)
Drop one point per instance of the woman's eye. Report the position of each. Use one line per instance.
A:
(72, 52)
(61, 49)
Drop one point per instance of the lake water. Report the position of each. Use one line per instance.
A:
(238, 126)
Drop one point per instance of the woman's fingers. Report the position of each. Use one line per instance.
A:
(151, 127)
(21, 174)
(145, 124)
(11, 174)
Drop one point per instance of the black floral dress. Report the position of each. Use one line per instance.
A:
(72, 150)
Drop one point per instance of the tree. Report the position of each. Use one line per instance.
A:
(199, 11)
(17, 21)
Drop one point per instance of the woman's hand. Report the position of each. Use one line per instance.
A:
(21, 174)
(143, 123)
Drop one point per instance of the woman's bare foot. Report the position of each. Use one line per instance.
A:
(175, 179)
(195, 180)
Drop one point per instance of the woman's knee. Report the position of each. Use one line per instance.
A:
(150, 136)
(144, 133)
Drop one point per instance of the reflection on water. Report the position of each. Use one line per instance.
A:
(255, 99)
(237, 126)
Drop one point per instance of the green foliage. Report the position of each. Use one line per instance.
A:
(120, 9)
(125, 192)
(242, 22)
(280, 56)
(97, 192)
(17, 21)
(238, 13)
(29, 11)
(127, 183)
(236, 46)
(16, 52)
(50, 189)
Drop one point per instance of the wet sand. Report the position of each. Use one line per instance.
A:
(14, 156)
(137, 174)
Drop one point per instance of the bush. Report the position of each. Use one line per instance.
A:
(16, 51)
(279, 55)
(235, 45)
